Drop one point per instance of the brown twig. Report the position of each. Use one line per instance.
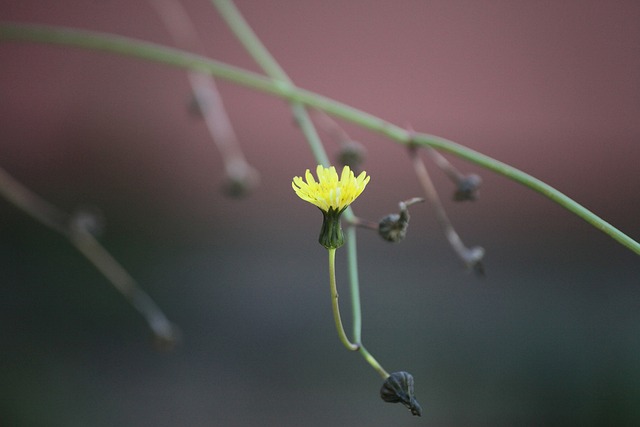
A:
(78, 234)
(472, 257)
(241, 176)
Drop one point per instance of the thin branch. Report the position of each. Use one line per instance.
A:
(270, 66)
(334, 303)
(471, 257)
(466, 185)
(79, 237)
(267, 62)
(178, 58)
(242, 178)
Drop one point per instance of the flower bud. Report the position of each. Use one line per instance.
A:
(89, 220)
(351, 154)
(398, 387)
(199, 104)
(467, 188)
(473, 258)
(241, 181)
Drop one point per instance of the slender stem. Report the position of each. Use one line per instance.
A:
(530, 182)
(373, 362)
(471, 257)
(334, 303)
(326, 123)
(338, 321)
(249, 40)
(93, 251)
(311, 135)
(32, 204)
(354, 284)
(178, 58)
(205, 91)
(123, 282)
(444, 164)
(271, 67)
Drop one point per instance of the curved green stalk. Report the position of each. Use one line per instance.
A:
(272, 68)
(178, 58)
(334, 303)
(338, 321)
(373, 362)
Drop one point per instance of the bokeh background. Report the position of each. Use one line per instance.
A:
(551, 335)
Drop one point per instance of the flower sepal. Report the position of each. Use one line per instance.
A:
(331, 235)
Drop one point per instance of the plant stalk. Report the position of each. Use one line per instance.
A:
(179, 58)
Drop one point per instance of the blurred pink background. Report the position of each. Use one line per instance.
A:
(548, 87)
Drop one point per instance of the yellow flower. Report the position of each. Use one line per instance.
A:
(332, 195)
(330, 192)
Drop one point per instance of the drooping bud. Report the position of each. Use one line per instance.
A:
(468, 188)
(199, 104)
(473, 258)
(351, 154)
(241, 181)
(87, 219)
(398, 388)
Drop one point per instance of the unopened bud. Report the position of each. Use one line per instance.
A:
(167, 339)
(241, 182)
(473, 258)
(398, 388)
(467, 188)
(199, 104)
(351, 154)
(89, 220)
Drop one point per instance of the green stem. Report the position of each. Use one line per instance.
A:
(178, 58)
(354, 282)
(270, 66)
(250, 40)
(338, 321)
(311, 135)
(530, 182)
(373, 362)
(334, 303)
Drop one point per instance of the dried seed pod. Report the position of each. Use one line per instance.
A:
(393, 227)
(398, 388)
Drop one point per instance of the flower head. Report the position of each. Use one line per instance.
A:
(330, 192)
(332, 195)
